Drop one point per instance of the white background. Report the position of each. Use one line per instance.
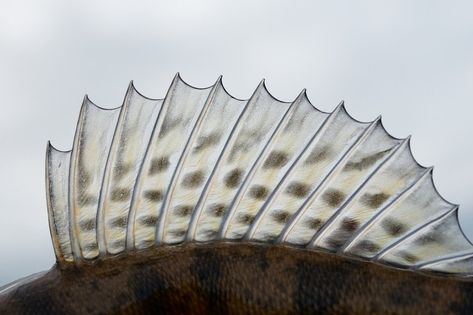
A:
(411, 61)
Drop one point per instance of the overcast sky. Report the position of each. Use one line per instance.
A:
(411, 61)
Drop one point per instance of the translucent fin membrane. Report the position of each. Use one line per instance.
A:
(197, 163)
(130, 141)
(89, 157)
(173, 127)
(458, 264)
(439, 239)
(201, 165)
(57, 181)
(248, 139)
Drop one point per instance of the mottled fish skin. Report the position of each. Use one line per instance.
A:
(237, 278)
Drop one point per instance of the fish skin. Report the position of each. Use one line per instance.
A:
(236, 278)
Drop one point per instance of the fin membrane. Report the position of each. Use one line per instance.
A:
(201, 165)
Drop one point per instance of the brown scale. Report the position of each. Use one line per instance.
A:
(236, 278)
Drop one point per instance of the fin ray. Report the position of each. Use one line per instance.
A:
(57, 181)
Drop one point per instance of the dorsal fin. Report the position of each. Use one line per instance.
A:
(201, 165)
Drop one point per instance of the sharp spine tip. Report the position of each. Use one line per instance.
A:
(219, 81)
(131, 85)
(302, 95)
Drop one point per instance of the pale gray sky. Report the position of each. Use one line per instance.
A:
(411, 61)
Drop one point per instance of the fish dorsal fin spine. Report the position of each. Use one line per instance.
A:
(201, 165)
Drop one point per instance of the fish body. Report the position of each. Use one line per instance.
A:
(201, 203)
(232, 278)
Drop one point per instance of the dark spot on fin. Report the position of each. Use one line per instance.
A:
(148, 220)
(217, 209)
(183, 210)
(313, 223)
(120, 170)
(365, 162)
(87, 225)
(158, 165)
(281, 216)
(207, 141)
(317, 155)
(349, 224)
(410, 258)
(335, 242)
(298, 189)
(153, 195)
(246, 218)
(258, 192)
(119, 222)
(120, 194)
(367, 246)
(86, 199)
(374, 200)
(193, 180)
(340, 236)
(276, 159)
(233, 178)
(168, 125)
(393, 227)
(333, 197)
